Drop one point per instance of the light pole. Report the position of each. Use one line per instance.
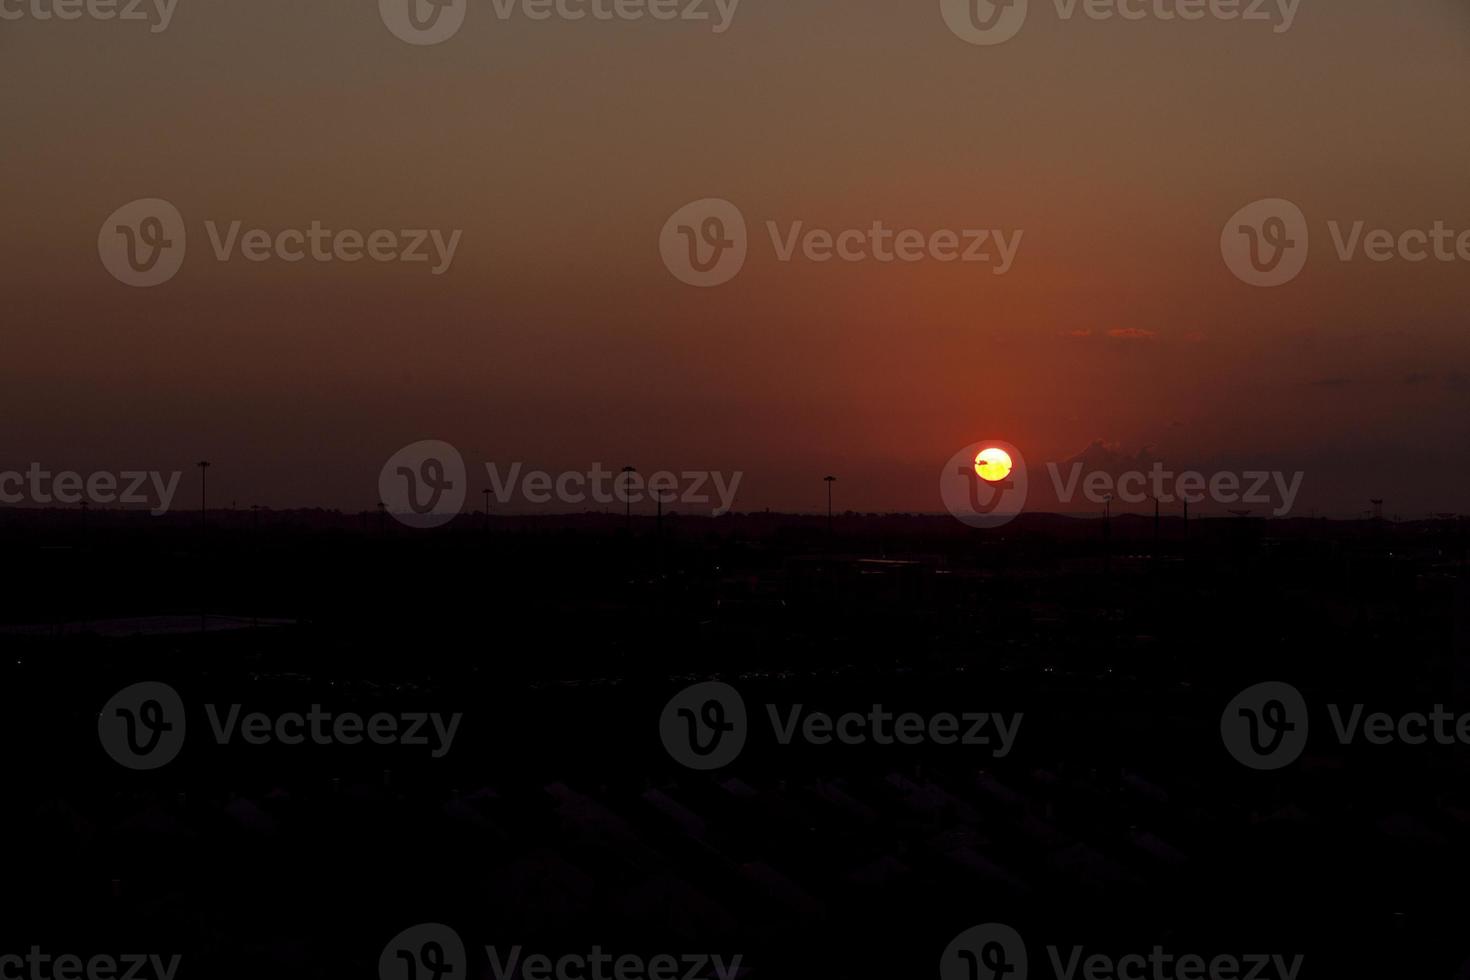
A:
(486, 492)
(83, 549)
(255, 549)
(203, 465)
(829, 480)
(628, 501)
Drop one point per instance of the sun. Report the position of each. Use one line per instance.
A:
(993, 465)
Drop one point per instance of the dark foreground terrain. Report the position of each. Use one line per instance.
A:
(1110, 815)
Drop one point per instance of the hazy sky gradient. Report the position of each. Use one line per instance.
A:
(559, 339)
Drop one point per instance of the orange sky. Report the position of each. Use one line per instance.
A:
(558, 337)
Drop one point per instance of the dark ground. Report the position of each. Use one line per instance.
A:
(559, 822)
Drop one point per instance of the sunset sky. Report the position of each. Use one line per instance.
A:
(558, 338)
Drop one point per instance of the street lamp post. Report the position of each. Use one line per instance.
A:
(829, 480)
(255, 554)
(628, 502)
(203, 465)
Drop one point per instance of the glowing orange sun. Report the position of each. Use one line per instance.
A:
(993, 465)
